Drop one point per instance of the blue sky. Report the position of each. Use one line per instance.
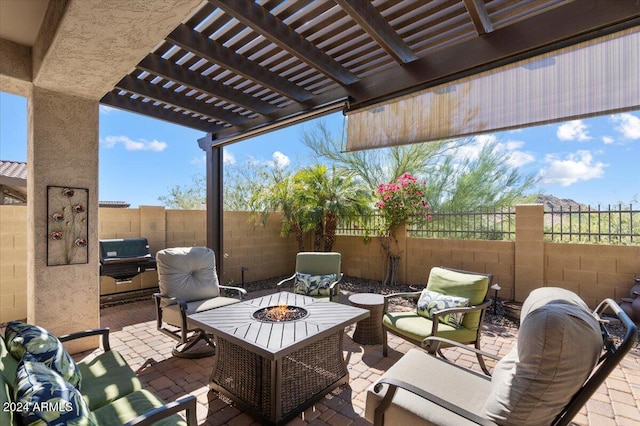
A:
(593, 161)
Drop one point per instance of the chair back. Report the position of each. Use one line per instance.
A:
(188, 273)
(318, 263)
(613, 352)
(455, 282)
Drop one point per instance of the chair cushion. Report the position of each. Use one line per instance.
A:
(432, 301)
(313, 285)
(131, 406)
(171, 314)
(44, 347)
(188, 273)
(8, 364)
(436, 376)
(99, 388)
(417, 327)
(48, 398)
(453, 283)
(558, 345)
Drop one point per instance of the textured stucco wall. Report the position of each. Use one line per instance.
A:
(15, 68)
(62, 150)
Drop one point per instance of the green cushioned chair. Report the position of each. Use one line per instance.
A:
(416, 327)
(316, 267)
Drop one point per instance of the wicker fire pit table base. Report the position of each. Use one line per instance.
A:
(275, 370)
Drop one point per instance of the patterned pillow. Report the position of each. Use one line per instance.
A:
(431, 301)
(47, 398)
(313, 285)
(24, 338)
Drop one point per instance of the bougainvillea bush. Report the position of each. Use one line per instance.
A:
(402, 201)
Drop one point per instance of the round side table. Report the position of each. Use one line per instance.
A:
(369, 330)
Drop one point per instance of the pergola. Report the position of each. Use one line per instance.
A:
(233, 69)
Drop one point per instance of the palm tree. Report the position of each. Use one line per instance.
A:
(326, 197)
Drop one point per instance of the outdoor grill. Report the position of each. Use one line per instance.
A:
(125, 258)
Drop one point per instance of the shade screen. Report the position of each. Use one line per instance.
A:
(597, 77)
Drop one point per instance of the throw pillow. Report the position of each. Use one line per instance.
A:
(47, 398)
(24, 338)
(313, 285)
(431, 301)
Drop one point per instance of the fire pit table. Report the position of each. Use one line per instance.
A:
(274, 367)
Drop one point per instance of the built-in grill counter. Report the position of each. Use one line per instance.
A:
(123, 263)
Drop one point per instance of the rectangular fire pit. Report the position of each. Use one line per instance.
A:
(277, 369)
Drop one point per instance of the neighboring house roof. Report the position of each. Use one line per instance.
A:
(13, 173)
(13, 176)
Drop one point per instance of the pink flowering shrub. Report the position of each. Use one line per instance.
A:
(401, 201)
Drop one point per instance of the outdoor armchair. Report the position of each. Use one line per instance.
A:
(188, 284)
(564, 352)
(317, 275)
(453, 306)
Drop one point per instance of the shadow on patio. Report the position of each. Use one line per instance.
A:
(148, 352)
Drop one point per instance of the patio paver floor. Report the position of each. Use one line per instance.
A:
(148, 352)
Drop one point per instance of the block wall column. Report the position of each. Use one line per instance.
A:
(62, 150)
(529, 249)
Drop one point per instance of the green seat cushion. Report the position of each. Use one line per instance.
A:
(131, 406)
(8, 365)
(48, 399)
(417, 327)
(107, 378)
(44, 347)
(470, 286)
(6, 415)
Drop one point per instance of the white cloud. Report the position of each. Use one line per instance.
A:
(279, 160)
(576, 167)
(573, 130)
(515, 156)
(227, 157)
(131, 145)
(607, 140)
(105, 109)
(198, 161)
(629, 125)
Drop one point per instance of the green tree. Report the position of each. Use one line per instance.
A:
(453, 181)
(187, 197)
(312, 200)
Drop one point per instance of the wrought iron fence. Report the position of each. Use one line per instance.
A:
(617, 225)
(482, 224)
(487, 224)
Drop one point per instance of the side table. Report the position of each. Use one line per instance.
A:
(369, 330)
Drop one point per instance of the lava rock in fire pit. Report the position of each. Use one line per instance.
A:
(280, 313)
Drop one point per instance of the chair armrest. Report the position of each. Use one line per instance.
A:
(187, 403)
(433, 348)
(405, 295)
(241, 291)
(104, 332)
(181, 302)
(465, 309)
(394, 384)
(284, 281)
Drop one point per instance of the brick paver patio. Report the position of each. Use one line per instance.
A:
(148, 351)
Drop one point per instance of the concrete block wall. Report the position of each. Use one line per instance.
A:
(593, 271)
(13, 262)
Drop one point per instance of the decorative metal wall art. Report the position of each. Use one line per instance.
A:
(67, 225)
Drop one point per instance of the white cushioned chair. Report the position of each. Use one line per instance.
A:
(188, 284)
(562, 355)
(317, 275)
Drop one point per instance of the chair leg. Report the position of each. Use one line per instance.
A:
(385, 348)
(481, 360)
(181, 350)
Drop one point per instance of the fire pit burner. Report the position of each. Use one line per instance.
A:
(280, 313)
